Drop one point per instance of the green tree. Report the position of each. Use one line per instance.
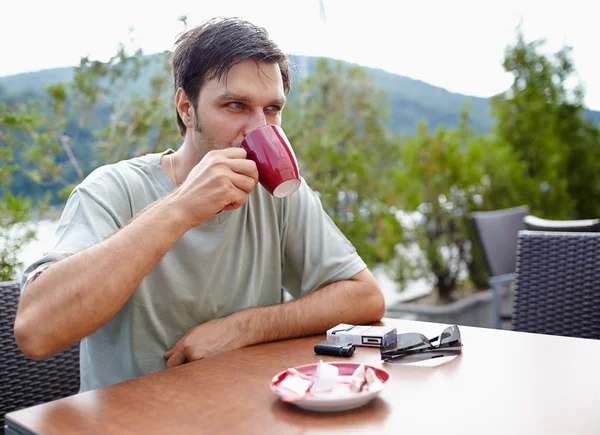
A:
(127, 104)
(541, 118)
(337, 125)
(15, 212)
(139, 119)
(137, 92)
(445, 175)
(16, 230)
(110, 111)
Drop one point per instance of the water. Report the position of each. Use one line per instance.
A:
(45, 240)
(43, 243)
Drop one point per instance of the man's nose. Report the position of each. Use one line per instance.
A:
(257, 119)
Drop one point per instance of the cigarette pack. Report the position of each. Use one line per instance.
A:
(362, 335)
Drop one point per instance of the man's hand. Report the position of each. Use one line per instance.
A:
(208, 339)
(221, 181)
(357, 301)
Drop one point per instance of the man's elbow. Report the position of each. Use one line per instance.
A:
(377, 302)
(372, 302)
(30, 339)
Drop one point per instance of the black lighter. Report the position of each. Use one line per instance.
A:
(334, 348)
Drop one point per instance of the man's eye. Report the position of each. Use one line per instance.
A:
(274, 108)
(236, 105)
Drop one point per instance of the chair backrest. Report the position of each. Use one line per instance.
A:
(496, 231)
(25, 382)
(557, 286)
(535, 223)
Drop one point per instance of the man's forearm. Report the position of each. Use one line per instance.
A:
(354, 301)
(77, 295)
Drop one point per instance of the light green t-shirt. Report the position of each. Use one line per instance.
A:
(236, 260)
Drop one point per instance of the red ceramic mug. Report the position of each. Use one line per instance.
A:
(277, 166)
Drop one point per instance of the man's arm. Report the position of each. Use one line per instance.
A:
(77, 295)
(357, 300)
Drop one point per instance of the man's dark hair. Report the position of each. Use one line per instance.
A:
(210, 50)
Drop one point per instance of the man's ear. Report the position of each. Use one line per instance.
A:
(184, 107)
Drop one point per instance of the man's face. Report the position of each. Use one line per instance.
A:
(250, 95)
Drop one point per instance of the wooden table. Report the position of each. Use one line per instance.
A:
(504, 383)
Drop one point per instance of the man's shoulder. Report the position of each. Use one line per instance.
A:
(303, 197)
(119, 173)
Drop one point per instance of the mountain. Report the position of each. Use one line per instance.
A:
(411, 101)
(37, 80)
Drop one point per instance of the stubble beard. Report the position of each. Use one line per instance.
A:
(202, 144)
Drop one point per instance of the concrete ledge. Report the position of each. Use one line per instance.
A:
(473, 311)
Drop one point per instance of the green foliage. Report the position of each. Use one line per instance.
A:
(542, 119)
(583, 169)
(16, 228)
(542, 153)
(446, 175)
(15, 231)
(49, 135)
(410, 101)
(337, 124)
(140, 122)
(61, 136)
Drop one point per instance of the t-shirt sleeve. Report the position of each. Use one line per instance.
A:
(315, 252)
(95, 209)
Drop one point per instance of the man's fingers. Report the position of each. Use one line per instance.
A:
(233, 152)
(168, 353)
(243, 183)
(244, 167)
(176, 359)
(242, 186)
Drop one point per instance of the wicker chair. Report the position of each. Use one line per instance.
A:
(496, 232)
(25, 382)
(558, 284)
(535, 223)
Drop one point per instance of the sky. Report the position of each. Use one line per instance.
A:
(457, 45)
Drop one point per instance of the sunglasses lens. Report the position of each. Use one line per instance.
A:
(407, 342)
(411, 341)
(450, 336)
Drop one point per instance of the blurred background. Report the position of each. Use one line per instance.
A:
(405, 117)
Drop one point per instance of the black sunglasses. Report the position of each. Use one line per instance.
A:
(412, 346)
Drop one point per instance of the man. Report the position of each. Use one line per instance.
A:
(173, 257)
